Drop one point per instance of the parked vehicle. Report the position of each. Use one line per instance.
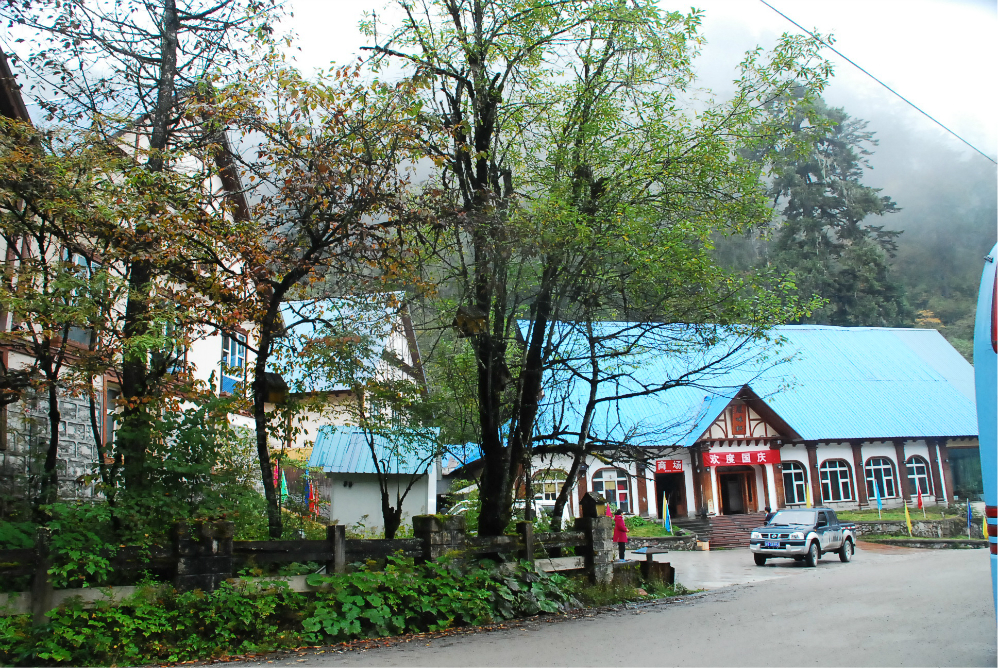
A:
(803, 535)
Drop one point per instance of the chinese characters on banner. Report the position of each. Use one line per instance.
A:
(740, 457)
(668, 466)
(739, 419)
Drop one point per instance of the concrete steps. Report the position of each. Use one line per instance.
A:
(724, 530)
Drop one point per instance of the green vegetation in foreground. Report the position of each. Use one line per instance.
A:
(896, 514)
(158, 624)
(161, 625)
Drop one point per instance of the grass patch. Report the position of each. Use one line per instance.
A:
(640, 527)
(894, 515)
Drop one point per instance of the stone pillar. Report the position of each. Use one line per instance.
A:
(812, 469)
(905, 484)
(336, 534)
(204, 554)
(41, 585)
(934, 470)
(947, 472)
(598, 550)
(440, 535)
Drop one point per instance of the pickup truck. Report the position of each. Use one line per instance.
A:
(803, 534)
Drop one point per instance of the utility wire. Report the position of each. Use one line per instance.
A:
(857, 66)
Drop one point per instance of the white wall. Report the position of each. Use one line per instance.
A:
(348, 505)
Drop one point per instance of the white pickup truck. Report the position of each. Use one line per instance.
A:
(803, 535)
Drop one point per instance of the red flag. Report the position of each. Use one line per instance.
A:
(919, 497)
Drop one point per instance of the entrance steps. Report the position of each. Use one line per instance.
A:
(724, 530)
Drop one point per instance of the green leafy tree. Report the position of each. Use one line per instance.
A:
(824, 237)
(562, 150)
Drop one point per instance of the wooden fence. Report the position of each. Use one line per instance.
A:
(202, 555)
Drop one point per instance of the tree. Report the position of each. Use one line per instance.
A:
(322, 165)
(131, 70)
(348, 345)
(56, 289)
(824, 238)
(555, 130)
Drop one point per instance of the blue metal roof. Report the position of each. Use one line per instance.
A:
(826, 383)
(340, 449)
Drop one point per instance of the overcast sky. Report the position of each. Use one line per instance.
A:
(941, 55)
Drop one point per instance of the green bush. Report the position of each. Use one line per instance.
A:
(159, 625)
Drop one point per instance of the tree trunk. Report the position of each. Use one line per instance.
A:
(274, 520)
(50, 475)
(135, 432)
(391, 516)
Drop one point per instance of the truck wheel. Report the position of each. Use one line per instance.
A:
(845, 552)
(812, 555)
(760, 560)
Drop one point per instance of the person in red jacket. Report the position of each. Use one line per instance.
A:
(619, 532)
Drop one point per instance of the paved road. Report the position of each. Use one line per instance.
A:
(889, 607)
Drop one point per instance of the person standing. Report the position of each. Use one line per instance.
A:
(619, 532)
(769, 515)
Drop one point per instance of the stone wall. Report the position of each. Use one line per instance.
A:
(948, 528)
(678, 543)
(22, 462)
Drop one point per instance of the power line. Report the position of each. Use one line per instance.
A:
(857, 66)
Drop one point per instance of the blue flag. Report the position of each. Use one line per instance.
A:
(668, 520)
(968, 518)
(876, 492)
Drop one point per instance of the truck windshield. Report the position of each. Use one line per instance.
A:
(790, 517)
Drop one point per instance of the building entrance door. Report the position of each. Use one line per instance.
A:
(671, 486)
(736, 491)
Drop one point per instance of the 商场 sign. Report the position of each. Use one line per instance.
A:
(668, 466)
(741, 457)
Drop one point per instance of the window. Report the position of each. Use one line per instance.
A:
(794, 483)
(834, 475)
(880, 471)
(110, 413)
(612, 484)
(547, 484)
(233, 362)
(918, 474)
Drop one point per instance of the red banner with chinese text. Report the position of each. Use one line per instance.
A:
(668, 466)
(741, 457)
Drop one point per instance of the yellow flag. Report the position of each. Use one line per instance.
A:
(807, 496)
(907, 518)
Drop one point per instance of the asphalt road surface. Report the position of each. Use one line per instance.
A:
(889, 607)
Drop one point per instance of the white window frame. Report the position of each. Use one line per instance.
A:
(876, 466)
(916, 477)
(600, 478)
(237, 344)
(798, 481)
(547, 484)
(839, 470)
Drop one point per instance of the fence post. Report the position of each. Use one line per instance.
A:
(440, 534)
(526, 531)
(41, 585)
(336, 534)
(203, 551)
(598, 550)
